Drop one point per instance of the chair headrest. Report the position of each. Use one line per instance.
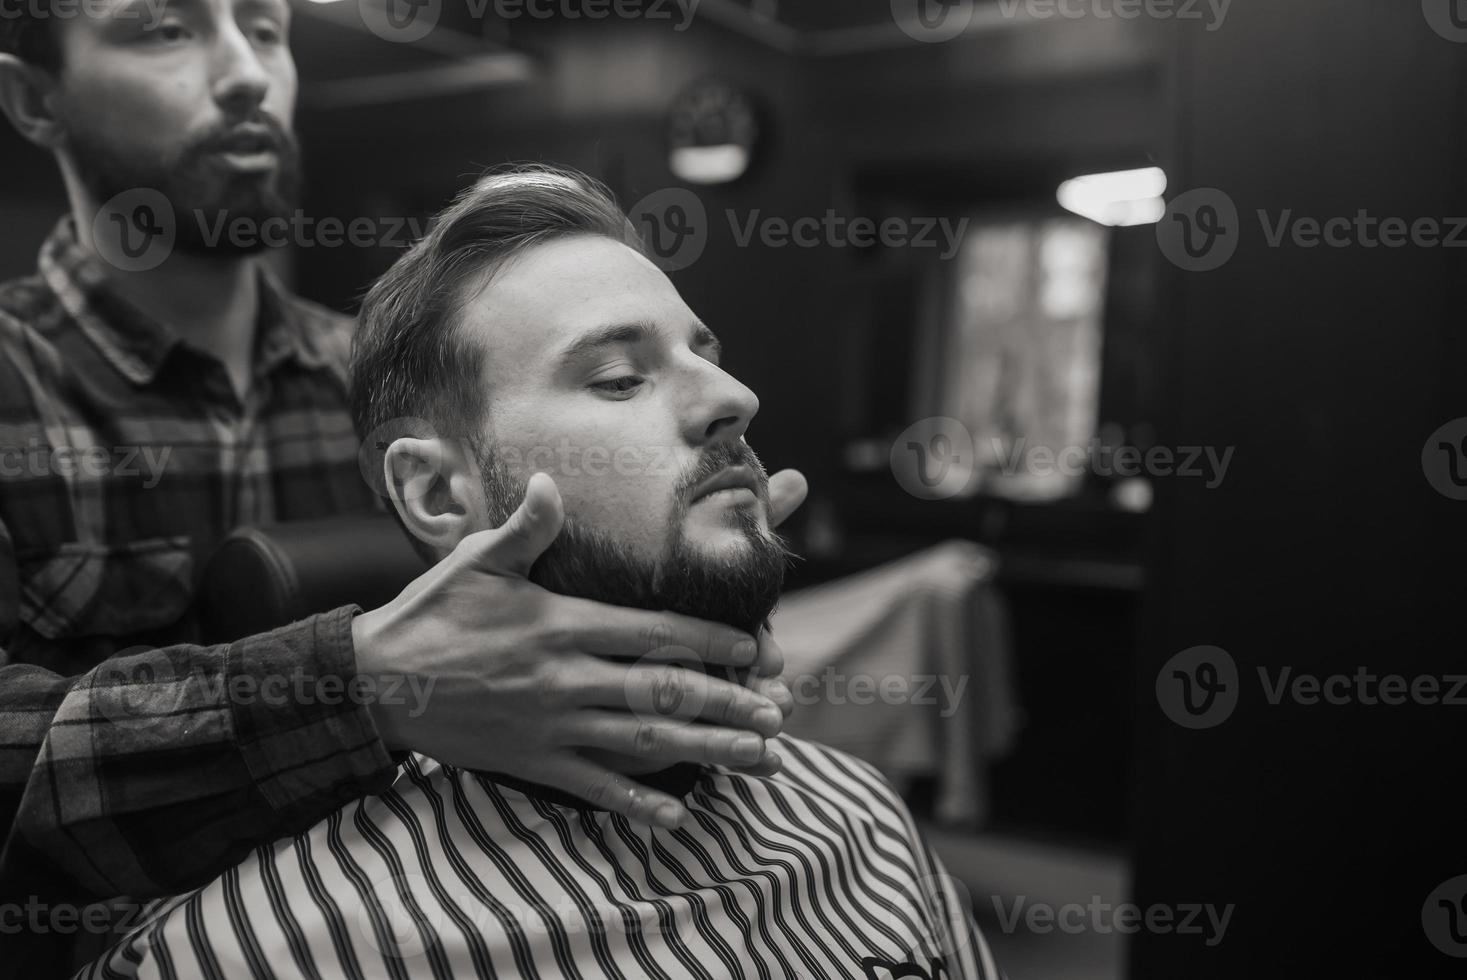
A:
(261, 578)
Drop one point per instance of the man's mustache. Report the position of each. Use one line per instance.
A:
(715, 461)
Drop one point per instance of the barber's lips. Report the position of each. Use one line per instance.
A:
(248, 152)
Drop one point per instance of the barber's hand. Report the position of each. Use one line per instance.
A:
(787, 490)
(517, 681)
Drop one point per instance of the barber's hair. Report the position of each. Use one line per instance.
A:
(27, 31)
(410, 359)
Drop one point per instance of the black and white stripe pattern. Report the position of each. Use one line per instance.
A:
(817, 872)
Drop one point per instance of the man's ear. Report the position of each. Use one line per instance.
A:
(436, 490)
(28, 99)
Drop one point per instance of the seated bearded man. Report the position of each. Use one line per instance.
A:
(529, 324)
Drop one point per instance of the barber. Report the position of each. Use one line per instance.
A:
(126, 767)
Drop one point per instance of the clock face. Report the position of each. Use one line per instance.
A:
(711, 134)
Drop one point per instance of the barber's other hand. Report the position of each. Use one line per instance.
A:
(516, 680)
(787, 490)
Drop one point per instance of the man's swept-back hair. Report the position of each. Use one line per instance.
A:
(410, 359)
(27, 31)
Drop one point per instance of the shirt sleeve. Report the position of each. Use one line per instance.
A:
(161, 768)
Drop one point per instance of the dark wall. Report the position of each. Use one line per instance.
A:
(1326, 549)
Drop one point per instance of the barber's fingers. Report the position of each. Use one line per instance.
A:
(787, 491)
(772, 763)
(636, 634)
(771, 657)
(669, 692)
(649, 740)
(603, 788)
(777, 691)
(512, 548)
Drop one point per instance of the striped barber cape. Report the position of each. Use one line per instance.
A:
(817, 872)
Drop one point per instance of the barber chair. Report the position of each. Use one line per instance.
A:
(261, 578)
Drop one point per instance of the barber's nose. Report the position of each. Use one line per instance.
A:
(241, 81)
(726, 407)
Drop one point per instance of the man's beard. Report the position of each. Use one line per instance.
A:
(740, 590)
(207, 198)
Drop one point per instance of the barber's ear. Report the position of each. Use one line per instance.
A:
(27, 97)
(435, 488)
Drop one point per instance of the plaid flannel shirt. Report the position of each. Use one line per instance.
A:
(126, 768)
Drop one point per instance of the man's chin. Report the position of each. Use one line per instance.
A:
(721, 544)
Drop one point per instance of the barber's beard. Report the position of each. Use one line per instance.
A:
(206, 196)
(739, 588)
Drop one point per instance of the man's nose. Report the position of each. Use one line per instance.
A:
(725, 407)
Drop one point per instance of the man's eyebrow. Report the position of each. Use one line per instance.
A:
(702, 336)
(608, 336)
(630, 333)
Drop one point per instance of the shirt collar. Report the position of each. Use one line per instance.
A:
(137, 344)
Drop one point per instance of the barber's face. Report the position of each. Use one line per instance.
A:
(600, 375)
(193, 98)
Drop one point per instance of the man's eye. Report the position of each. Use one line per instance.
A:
(624, 385)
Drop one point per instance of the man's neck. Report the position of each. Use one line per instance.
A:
(213, 302)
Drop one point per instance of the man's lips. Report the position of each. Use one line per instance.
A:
(734, 478)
